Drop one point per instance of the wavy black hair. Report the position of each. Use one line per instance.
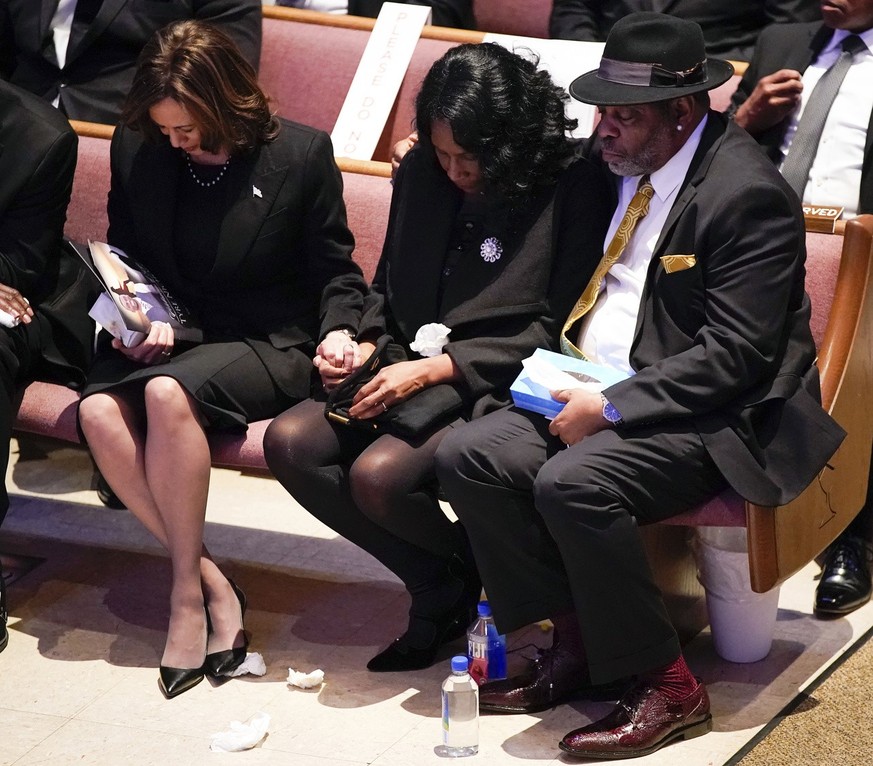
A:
(501, 108)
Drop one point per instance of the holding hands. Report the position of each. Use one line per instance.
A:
(337, 356)
(774, 98)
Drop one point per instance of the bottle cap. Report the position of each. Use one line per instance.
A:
(484, 609)
(460, 663)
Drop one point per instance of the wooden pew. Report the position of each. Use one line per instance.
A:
(50, 409)
(303, 88)
(783, 540)
(307, 85)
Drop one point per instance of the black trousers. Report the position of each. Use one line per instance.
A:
(555, 530)
(20, 360)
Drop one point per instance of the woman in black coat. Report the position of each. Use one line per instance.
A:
(241, 217)
(491, 223)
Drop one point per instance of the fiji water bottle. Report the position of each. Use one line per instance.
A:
(486, 648)
(460, 711)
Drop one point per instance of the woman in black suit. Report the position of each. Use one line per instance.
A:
(488, 234)
(240, 215)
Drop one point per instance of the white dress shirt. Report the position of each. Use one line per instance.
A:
(835, 176)
(608, 329)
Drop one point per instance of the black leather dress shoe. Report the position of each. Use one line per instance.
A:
(553, 677)
(845, 582)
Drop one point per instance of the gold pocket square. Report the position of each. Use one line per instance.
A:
(674, 263)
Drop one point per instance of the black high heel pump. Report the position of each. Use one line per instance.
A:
(175, 681)
(224, 662)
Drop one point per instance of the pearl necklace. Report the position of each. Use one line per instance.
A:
(199, 181)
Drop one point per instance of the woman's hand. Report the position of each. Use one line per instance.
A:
(337, 356)
(15, 304)
(582, 415)
(397, 382)
(157, 348)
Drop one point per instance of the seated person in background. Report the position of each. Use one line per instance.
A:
(488, 231)
(44, 291)
(446, 13)
(240, 215)
(819, 135)
(730, 27)
(81, 54)
(699, 299)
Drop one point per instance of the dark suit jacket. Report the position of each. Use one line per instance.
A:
(796, 46)
(446, 13)
(37, 161)
(283, 274)
(100, 65)
(499, 311)
(726, 342)
(729, 28)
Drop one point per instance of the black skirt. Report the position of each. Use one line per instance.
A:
(227, 379)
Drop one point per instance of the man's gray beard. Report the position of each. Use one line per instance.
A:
(649, 159)
(630, 166)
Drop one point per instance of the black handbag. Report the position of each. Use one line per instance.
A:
(423, 412)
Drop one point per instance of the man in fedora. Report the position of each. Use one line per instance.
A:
(699, 299)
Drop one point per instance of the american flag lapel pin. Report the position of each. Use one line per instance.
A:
(256, 192)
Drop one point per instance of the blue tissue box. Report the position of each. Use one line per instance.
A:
(529, 395)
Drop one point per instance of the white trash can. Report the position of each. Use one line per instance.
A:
(742, 621)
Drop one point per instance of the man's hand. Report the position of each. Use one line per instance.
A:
(15, 304)
(155, 349)
(582, 415)
(774, 97)
(400, 149)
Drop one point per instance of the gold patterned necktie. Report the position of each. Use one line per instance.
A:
(636, 210)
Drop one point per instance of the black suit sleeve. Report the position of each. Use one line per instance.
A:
(327, 241)
(7, 44)
(577, 20)
(32, 225)
(745, 287)
(241, 19)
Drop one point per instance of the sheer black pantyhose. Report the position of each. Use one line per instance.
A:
(379, 493)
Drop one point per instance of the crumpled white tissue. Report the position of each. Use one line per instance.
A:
(253, 663)
(305, 680)
(241, 736)
(430, 339)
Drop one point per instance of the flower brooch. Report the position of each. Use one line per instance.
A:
(491, 250)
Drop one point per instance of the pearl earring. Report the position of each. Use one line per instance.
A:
(679, 128)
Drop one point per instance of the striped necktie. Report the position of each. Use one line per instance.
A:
(804, 145)
(636, 210)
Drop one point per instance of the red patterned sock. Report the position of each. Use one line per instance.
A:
(675, 681)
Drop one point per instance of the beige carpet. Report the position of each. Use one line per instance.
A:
(829, 724)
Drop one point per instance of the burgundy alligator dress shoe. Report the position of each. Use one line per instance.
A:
(643, 721)
(554, 676)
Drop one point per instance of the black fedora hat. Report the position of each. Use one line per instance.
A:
(650, 57)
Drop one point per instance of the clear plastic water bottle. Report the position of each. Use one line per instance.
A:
(460, 711)
(486, 647)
